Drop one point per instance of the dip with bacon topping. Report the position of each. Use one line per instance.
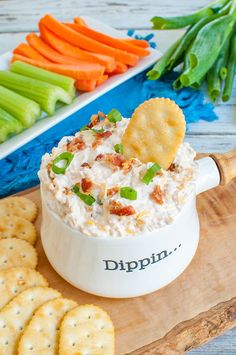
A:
(90, 184)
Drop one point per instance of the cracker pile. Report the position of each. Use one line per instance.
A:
(34, 318)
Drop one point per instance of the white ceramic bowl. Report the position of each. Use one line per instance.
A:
(128, 266)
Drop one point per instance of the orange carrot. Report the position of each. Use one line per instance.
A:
(26, 50)
(85, 42)
(108, 40)
(120, 68)
(102, 80)
(80, 21)
(85, 71)
(85, 85)
(89, 85)
(39, 45)
(136, 42)
(74, 52)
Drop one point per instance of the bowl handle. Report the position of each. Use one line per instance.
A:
(226, 164)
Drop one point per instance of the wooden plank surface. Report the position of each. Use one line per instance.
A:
(170, 321)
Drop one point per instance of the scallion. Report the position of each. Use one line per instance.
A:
(87, 199)
(128, 193)
(119, 148)
(150, 173)
(101, 130)
(65, 157)
(114, 116)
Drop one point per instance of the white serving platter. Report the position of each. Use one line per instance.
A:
(81, 100)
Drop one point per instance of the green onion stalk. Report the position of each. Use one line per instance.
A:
(230, 69)
(206, 47)
(166, 23)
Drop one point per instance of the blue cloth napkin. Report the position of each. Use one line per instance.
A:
(19, 170)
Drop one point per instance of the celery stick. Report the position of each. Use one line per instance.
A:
(23, 109)
(165, 23)
(206, 48)
(62, 81)
(8, 125)
(46, 95)
(230, 70)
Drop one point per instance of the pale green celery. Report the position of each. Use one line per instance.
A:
(23, 109)
(9, 125)
(206, 48)
(165, 23)
(45, 94)
(64, 82)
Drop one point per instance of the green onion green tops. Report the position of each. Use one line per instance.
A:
(150, 173)
(119, 148)
(87, 199)
(101, 130)
(114, 116)
(65, 157)
(128, 193)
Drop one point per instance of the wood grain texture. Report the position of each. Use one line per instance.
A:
(227, 166)
(196, 331)
(207, 282)
(18, 16)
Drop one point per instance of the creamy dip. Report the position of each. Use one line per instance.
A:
(99, 171)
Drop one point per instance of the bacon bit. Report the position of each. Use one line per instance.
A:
(172, 167)
(85, 165)
(94, 119)
(76, 144)
(67, 191)
(112, 191)
(118, 209)
(127, 165)
(157, 195)
(104, 135)
(96, 143)
(86, 184)
(99, 157)
(101, 114)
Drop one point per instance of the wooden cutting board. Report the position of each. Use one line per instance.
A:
(197, 306)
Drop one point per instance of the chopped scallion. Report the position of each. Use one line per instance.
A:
(119, 148)
(114, 116)
(101, 130)
(65, 157)
(150, 173)
(128, 193)
(87, 199)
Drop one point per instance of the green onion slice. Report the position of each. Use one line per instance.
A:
(114, 116)
(101, 130)
(119, 148)
(150, 173)
(67, 157)
(84, 128)
(88, 199)
(128, 193)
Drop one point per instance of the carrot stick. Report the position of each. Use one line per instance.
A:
(85, 71)
(26, 50)
(40, 46)
(136, 42)
(80, 21)
(85, 85)
(85, 42)
(108, 40)
(74, 52)
(120, 68)
(102, 80)
(89, 85)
